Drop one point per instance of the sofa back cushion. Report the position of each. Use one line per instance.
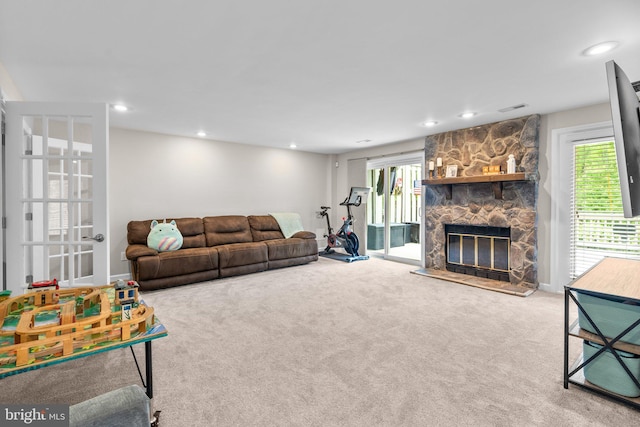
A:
(222, 230)
(264, 227)
(192, 231)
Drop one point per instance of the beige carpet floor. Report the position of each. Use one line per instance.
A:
(338, 344)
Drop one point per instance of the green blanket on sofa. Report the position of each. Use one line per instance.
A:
(289, 222)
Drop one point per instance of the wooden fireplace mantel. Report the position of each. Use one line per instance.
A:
(495, 181)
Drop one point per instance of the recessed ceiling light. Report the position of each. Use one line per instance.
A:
(293, 145)
(429, 123)
(467, 115)
(600, 48)
(120, 107)
(202, 134)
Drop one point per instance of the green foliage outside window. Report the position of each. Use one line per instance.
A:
(598, 226)
(596, 185)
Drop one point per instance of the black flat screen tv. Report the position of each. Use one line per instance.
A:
(625, 113)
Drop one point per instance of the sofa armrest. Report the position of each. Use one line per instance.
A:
(136, 251)
(304, 235)
(125, 407)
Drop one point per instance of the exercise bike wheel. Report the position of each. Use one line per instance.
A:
(352, 244)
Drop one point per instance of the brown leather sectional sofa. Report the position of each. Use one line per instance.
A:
(216, 246)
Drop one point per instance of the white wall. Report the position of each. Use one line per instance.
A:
(550, 122)
(161, 176)
(9, 89)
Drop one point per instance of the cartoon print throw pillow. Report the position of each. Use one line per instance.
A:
(164, 236)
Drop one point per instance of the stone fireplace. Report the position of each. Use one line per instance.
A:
(512, 210)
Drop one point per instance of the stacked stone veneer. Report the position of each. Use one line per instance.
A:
(474, 204)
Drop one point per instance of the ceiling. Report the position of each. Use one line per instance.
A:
(321, 74)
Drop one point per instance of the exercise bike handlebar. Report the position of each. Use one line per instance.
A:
(347, 203)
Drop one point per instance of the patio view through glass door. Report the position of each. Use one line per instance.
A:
(394, 209)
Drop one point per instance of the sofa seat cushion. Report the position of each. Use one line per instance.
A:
(177, 263)
(242, 258)
(235, 254)
(223, 230)
(291, 248)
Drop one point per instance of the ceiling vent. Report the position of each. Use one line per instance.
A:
(513, 107)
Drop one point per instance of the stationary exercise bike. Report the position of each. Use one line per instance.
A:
(345, 237)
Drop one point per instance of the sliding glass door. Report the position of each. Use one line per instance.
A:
(394, 208)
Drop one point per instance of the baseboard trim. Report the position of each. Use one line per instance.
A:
(546, 287)
(124, 276)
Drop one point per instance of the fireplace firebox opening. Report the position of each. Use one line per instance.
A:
(481, 251)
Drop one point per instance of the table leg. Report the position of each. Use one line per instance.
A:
(566, 338)
(149, 368)
(155, 415)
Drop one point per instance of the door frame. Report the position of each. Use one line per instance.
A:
(561, 179)
(3, 196)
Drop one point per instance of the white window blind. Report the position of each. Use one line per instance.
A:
(598, 227)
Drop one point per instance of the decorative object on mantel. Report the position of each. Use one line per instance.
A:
(452, 171)
(511, 164)
(439, 166)
(431, 169)
(491, 170)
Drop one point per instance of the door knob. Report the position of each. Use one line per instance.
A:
(97, 237)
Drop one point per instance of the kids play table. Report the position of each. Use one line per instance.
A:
(72, 323)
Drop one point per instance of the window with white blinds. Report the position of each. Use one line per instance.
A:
(598, 227)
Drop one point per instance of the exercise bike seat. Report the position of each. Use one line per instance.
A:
(325, 207)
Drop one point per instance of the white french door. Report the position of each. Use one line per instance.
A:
(56, 160)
